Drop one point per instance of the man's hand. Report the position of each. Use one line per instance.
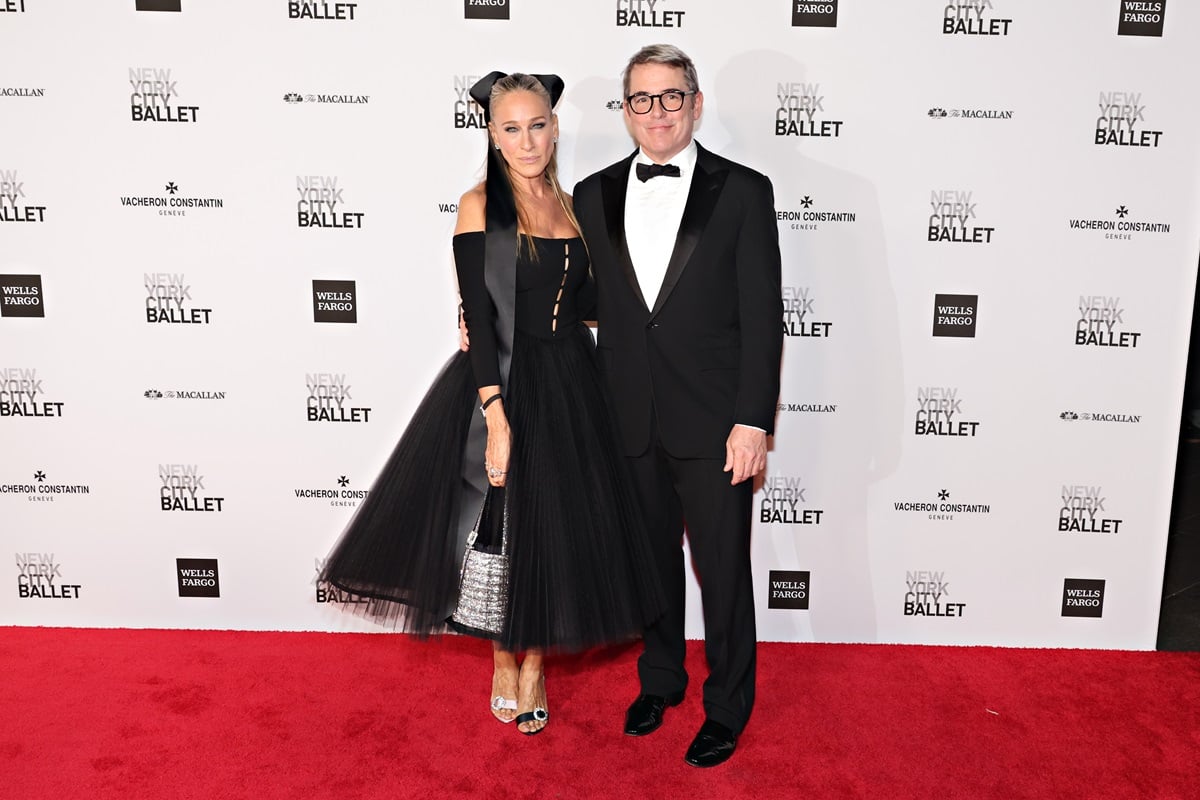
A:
(745, 453)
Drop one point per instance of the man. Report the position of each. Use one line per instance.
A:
(685, 251)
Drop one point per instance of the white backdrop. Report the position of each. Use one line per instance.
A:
(986, 133)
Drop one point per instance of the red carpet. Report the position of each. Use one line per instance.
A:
(219, 714)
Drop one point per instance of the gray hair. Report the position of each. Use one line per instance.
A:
(667, 54)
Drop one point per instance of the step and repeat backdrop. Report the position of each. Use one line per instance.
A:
(226, 281)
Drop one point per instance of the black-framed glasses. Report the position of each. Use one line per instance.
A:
(670, 100)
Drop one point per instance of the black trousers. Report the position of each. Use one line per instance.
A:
(718, 517)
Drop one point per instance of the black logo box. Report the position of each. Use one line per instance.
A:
(335, 315)
(486, 9)
(1136, 21)
(788, 589)
(968, 301)
(10, 308)
(813, 14)
(1092, 599)
(209, 576)
(159, 5)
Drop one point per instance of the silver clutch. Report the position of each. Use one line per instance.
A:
(483, 584)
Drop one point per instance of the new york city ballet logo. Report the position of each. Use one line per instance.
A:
(954, 218)
(973, 18)
(334, 301)
(172, 202)
(322, 204)
(783, 501)
(330, 399)
(811, 216)
(1121, 121)
(486, 9)
(1101, 323)
(42, 489)
(182, 489)
(15, 206)
(12, 6)
(22, 394)
(1083, 597)
(198, 577)
(820, 14)
(649, 14)
(155, 97)
(467, 113)
(338, 493)
(1100, 416)
(802, 111)
(21, 296)
(955, 315)
(939, 413)
(1123, 225)
(940, 507)
(1142, 17)
(169, 300)
(1083, 511)
(927, 594)
(159, 5)
(40, 577)
(322, 11)
(788, 589)
(799, 316)
(331, 594)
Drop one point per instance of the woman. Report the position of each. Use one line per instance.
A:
(524, 413)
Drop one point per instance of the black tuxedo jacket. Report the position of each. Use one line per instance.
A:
(706, 356)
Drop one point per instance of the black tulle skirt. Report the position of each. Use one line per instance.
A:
(581, 572)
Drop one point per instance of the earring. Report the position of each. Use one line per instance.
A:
(496, 146)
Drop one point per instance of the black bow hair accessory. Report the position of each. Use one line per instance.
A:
(481, 92)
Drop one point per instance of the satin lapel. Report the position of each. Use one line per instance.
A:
(613, 185)
(702, 199)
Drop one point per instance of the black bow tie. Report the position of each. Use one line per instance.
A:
(647, 171)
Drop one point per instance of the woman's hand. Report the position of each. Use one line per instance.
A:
(499, 444)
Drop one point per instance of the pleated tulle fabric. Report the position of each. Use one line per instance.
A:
(580, 567)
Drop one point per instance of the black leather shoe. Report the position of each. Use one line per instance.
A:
(713, 745)
(646, 713)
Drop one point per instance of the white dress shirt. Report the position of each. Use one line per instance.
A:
(653, 210)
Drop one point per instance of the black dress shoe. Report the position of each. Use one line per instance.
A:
(646, 713)
(713, 745)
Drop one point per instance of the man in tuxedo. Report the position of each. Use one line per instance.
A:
(685, 250)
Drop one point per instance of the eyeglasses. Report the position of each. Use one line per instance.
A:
(670, 100)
